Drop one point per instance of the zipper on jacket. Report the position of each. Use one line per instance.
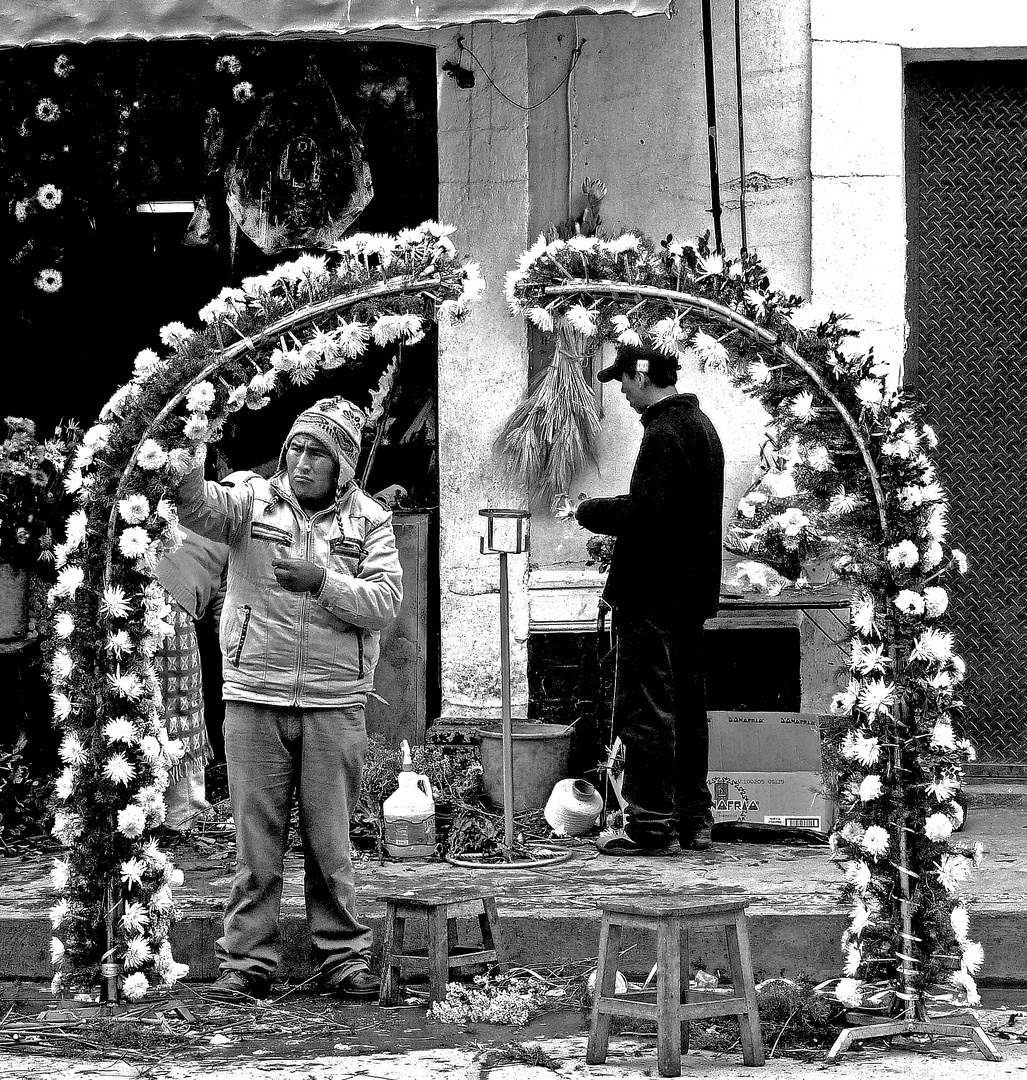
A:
(247, 611)
(360, 651)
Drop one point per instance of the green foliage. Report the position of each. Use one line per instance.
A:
(599, 549)
(793, 1013)
(23, 797)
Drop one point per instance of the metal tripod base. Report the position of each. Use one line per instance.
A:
(890, 1029)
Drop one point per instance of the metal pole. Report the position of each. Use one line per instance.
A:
(504, 654)
(741, 126)
(711, 121)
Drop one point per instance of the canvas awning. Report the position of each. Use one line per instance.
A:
(36, 22)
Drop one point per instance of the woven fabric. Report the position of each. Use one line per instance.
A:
(181, 683)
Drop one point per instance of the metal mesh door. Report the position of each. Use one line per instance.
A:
(967, 161)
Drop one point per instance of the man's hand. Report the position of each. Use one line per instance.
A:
(298, 575)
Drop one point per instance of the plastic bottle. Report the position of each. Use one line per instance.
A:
(409, 814)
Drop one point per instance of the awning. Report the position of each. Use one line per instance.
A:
(35, 22)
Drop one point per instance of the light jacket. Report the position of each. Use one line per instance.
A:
(297, 649)
(195, 574)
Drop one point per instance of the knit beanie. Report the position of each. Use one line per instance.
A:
(336, 423)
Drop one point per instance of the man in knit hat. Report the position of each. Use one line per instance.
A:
(313, 577)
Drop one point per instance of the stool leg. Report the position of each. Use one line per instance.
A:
(668, 996)
(686, 974)
(438, 953)
(491, 937)
(391, 946)
(741, 976)
(606, 986)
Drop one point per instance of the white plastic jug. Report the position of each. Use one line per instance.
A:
(410, 814)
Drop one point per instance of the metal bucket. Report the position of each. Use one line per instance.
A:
(540, 755)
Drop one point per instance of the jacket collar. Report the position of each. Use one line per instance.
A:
(675, 401)
(281, 489)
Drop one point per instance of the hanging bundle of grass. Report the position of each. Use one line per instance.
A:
(553, 432)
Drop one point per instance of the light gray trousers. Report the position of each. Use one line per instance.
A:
(272, 752)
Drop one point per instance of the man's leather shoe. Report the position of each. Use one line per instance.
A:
(701, 839)
(357, 984)
(622, 844)
(232, 985)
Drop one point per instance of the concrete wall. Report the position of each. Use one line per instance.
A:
(633, 114)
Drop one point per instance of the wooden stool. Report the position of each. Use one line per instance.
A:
(443, 955)
(675, 1004)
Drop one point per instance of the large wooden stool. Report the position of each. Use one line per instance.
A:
(443, 955)
(675, 1004)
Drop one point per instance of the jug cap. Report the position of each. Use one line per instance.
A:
(408, 765)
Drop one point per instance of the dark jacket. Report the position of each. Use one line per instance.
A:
(666, 559)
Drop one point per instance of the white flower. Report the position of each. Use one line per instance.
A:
(936, 601)
(965, 981)
(56, 951)
(952, 869)
(933, 646)
(134, 509)
(818, 458)
(942, 736)
(625, 242)
(119, 643)
(162, 900)
(152, 455)
(200, 397)
(853, 958)
(938, 827)
(153, 854)
(667, 335)
(118, 769)
(61, 705)
(113, 603)
(711, 264)
(542, 318)
(876, 696)
(581, 319)
(71, 751)
(62, 665)
(196, 427)
(870, 393)
(64, 624)
(870, 788)
(150, 748)
(69, 580)
(174, 334)
(960, 920)
(132, 872)
(134, 920)
(860, 918)
(910, 496)
(903, 555)
(137, 952)
(145, 364)
(843, 703)
(875, 841)
(862, 612)
(177, 878)
(711, 353)
(389, 328)
(866, 750)
(132, 821)
(933, 492)
(909, 602)
(58, 913)
(780, 483)
(65, 784)
(120, 730)
(117, 401)
(133, 542)
(937, 525)
(135, 986)
(801, 407)
(759, 372)
(60, 875)
(929, 436)
(75, 529)
(848, 992)
(973, 957)
(932, 555)
(858, 874)
(843, 503)
(944, 788)
(172, 972)
(959, 561)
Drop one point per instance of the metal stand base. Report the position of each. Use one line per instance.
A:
(890, 1029)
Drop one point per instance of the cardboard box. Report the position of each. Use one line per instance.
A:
(765, 769)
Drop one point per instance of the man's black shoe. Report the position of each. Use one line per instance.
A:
(359, 984)
(237, 986)
(622, 844)
(701, 839)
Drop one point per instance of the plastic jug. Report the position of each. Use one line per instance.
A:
(410, 814)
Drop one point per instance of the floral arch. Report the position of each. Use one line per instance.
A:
(115, 904)
(861, 484)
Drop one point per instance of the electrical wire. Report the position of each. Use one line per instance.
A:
(575, 56)
(570, 125)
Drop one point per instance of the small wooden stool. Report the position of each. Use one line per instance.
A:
(443, 955)
(675, 1004)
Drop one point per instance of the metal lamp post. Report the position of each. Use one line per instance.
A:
(506, 534)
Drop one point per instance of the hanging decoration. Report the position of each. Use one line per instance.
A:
(553, 432)
(114, 884)
(859, 456)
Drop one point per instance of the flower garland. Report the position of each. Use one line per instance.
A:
(114, 885)
(858, 457)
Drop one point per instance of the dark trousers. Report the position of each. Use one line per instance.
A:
(659, 712)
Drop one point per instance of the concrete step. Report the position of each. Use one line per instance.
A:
(992, 794)
(549, 914)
